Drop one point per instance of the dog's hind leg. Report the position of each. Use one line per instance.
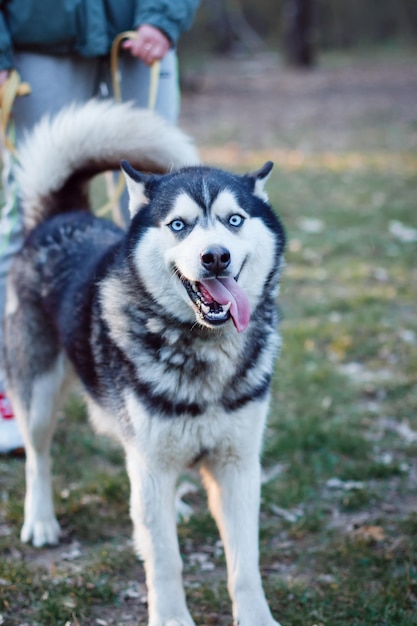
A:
(152, 509)
(35, 373)
(37, 420)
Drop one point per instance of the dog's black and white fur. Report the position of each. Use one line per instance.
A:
(171, 327)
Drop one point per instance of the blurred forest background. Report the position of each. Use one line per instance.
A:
(301, 29)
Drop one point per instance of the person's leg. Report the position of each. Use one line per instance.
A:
(135, 84)
(55, 82)
(10, 239)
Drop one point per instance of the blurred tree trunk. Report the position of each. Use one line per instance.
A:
(232, 28)
(298, 26)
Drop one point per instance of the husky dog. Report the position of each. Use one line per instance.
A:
(170, 326)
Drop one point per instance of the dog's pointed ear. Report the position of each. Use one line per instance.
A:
(136, 187)
(259, 178)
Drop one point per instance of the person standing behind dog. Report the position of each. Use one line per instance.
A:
(62, 50)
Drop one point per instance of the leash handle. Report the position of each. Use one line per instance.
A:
(114, 68)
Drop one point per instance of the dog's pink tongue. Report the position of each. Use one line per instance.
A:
(224, 290)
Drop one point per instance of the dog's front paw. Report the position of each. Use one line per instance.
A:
(41, 533)
(251, 616)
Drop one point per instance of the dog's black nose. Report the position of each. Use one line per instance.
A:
(215, 259)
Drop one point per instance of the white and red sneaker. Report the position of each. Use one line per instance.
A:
(11, 441)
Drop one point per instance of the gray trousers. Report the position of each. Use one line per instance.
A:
(57, 81)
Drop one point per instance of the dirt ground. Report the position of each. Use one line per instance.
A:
(256, 103)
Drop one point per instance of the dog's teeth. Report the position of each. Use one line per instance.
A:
(205, 308)
(226, 307)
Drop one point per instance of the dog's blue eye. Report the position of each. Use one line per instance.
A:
(236, 220)
(177, 225)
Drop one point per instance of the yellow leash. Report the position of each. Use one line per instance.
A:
(116, 193)
(114, 68)
(9, 91)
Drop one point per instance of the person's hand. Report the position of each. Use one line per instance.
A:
(150, 44)
(4, 75)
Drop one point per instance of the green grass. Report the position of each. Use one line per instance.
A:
(344, 387)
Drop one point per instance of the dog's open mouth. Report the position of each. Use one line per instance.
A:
(218, 299)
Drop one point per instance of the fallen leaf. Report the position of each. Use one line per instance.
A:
(370, 533)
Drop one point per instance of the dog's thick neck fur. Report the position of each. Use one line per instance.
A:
(226, 369)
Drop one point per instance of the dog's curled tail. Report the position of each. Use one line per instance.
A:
(60, 155)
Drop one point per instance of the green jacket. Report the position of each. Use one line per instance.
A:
(84, 27)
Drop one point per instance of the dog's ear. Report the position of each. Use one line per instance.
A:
(136, 187)
(259, 178)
